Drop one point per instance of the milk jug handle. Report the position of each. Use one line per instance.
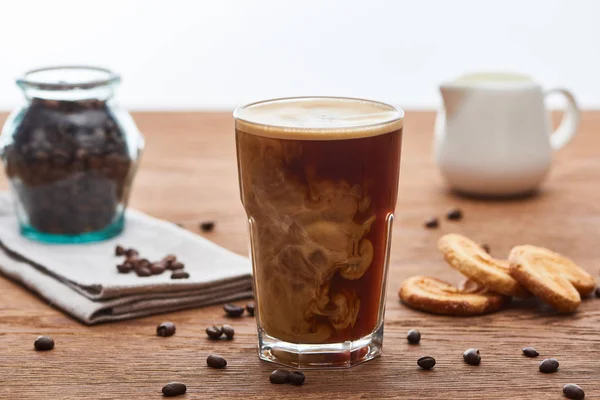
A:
(570, 120)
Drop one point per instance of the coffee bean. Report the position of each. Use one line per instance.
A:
(250, 308)
(279, 376)
(217, 362)
(296, 378)
(413, 336)
(175, 265)
(472, 357)
(486, 248)
(124, 268)
(143, 271)
(180, 275)
(432, 223)
(233, 311)
(549, 365)
(165, 329)
(131, 253)
(157, 268)
(207, 226)
(454, 214)
(174, 389)
(119, 251)
(530, 352)
(597, 291)
(214, 332)
(170, 259)
(426, 362)
(142, 263)
(228, 331)
(574, 392)
(43, 343)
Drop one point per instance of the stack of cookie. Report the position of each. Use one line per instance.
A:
(491, 282)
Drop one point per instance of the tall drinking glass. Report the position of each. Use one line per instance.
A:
(319, 181)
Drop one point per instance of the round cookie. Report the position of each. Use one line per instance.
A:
(475, 263)
(439, 297)
(555, 279)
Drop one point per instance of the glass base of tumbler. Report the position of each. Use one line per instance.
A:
(320, 356)
(88, 237)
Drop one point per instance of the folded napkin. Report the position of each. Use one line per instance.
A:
(83, 279)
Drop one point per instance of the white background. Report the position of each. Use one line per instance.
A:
(190, 54)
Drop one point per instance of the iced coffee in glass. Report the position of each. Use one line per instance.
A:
(319, 180)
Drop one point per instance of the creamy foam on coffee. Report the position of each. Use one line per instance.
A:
(318, 118)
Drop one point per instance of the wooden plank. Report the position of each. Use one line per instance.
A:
(188, 175)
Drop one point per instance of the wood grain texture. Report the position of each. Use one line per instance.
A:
(188, 175)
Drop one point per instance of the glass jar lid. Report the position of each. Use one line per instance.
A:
(68, 78)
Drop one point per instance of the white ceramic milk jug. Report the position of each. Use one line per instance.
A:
(493, 136)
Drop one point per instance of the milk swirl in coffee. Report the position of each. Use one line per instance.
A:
(319, 179)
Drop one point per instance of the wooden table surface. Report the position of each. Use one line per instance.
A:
(188, 174)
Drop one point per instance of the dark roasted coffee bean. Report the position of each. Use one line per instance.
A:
(530, 352)
(279, 376)
(549, 365)
(142, 263)
(472, 357)
(119, 251)
(143, 272)
(597, 291)
(175, 265)
(174, 389)
(426, 362)
(486, 248)
(250, 308)
(574, 392)
(233, 311)
(165, 329)
(170, 259)
(157, 268)
(131, 253)
(228, 331)
(207, 226)
(214, 332)
(180, 275)
(297, 378)
(432, 223)
(413, 336)
(217, 362)
(43, 343)
(124, 268)
(454, 214)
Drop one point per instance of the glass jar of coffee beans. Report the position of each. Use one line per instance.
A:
(70, 154)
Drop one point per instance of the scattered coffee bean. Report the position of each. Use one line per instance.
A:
(549, 365)
(250, 308)
(597, 291)
(432, 223)
(413, 336)
(170, 259)
(228, 331)
(454, 214)
(426, 362)
(43, 343)
(142, 263)
(174, 389)
(574, 392)
(217, 362)
(125, 268)
(175, 265)
(530, 352)
(296, 378)
(119, 251)
(143, 271)
(233, 311)
(207, 226)
(165, 329)
(279, 376)
(131, 253)
(180, 275)
(472, 357)
(157, 268)
(486, 248)
(214, 332)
